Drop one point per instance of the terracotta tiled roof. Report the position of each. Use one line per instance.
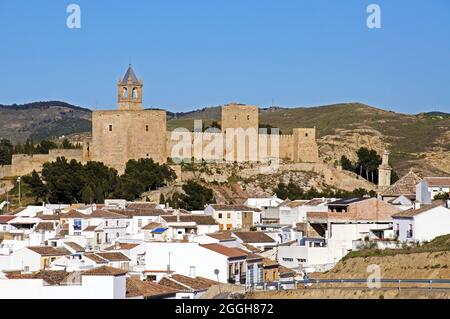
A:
(6, 218)
(45, 226)
(224, 235)
(104, 271)
(123, 246)
(223, 250)
(74, 246)
(269, 262)
(95, 214)
(113, 256)
(97, 259)
(49, 251)
(404, 186)
(221, 207)
(423, 208)
(142, 205)
(147, 289)
(50, 277)
(198, 219)
(254, 237)
(185, 283)
(438, 181)
(48, 217)
(151, 226)
(296, 203)
(251, 256)
(285, 272)
(252, 248)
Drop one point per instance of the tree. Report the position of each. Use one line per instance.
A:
(37, 188)
(195, 197)
(6, 151)
(87, 195)
(162, 200)
(346, 164)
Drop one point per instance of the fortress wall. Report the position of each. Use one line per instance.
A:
(286, 146)
(69, 154)
(5, 171)
(119, 136)
(24, 164)
(305, 147)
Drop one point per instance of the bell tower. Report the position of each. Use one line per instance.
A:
(384, 172)
(130, 92)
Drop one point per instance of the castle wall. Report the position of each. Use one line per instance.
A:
(5, 171)
(69, 154)
(305, 149)
(118, 136)
(24, 164)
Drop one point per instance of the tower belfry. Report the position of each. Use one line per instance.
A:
(130, 91)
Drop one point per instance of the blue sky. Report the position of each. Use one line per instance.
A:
(200, 53)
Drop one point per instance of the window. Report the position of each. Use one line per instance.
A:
(134, 93)
(106, 223)
(117, 223)
(139, 223)
(228, 215)
(106, 238)
(220, 215)
(125, 92)
(306, 134)
(110, 128)
(288, 259)
(248, 117)
(77, 224)
(409, 233)
(301, 260)
(397, 230)
(146, 128)
(117, 235)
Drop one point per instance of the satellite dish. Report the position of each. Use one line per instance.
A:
(216, 272)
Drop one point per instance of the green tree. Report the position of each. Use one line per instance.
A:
(162, 200)
(87, 195)
(37, 188)
(346, 164)
(6, 151)
(195, 197)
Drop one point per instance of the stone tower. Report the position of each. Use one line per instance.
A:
(130, 92)
(384, 172)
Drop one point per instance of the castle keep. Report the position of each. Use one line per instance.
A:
(130, 132)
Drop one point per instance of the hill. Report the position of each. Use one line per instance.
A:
(42, 120)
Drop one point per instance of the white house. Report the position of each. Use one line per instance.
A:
(437, 185)
(234, 216)
(194, 259)
(422, 223)
(267, 205)
(295, 211)
(98, 283)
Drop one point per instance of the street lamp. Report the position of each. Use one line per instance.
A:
(216, 272)
(18, 181)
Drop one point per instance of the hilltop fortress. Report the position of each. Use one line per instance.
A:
(132, 133)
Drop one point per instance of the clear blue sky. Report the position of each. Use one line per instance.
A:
(199, 53)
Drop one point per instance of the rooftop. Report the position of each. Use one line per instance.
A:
(49, 251)
(198, 219)
(254, 237)
(423, 208)
(105, 271)
(404, 186)
(222, 207)
(223, 250)
(183, 283)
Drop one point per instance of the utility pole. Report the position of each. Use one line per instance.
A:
(20, 201)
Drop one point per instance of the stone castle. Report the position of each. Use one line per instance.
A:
(130, 132)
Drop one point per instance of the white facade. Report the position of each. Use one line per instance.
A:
(91, 287)
(424, 226)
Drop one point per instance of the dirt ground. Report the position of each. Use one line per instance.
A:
(350, 293)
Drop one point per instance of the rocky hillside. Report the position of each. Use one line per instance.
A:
(42, 120)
